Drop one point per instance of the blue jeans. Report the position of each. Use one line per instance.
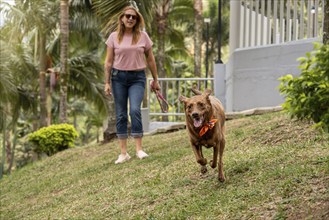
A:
(128, 85)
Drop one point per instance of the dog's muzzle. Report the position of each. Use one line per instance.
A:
(197, 120)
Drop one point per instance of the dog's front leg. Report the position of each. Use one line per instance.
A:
(199, 157)
(215, 156)
(221, 176)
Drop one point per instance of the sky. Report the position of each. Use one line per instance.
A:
(2, 5)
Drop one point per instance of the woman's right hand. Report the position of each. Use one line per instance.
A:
(108, 89)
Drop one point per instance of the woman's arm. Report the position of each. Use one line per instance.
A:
(152, 65)
(107, 70)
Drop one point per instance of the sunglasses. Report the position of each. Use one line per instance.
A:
(128, 16)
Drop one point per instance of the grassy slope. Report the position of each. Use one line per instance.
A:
(275, 168)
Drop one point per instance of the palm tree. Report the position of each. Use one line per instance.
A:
(161, 14)
(326, 23)
(33, 21)
(8, 93)
(107, 12)
(20, 63)
(85, 70)
(178, 60)
(64, 26)
(83, 58)
(16, 87)
(198, 21)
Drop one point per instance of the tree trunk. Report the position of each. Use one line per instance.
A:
(110, 131)
(97, 135)
(64, 27)
(12, 153)
(4, 130)
(326, 23)
(162, 16)
(42, 80)
(197, 37)
(8, 147)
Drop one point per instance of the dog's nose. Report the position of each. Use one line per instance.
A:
(195, 115)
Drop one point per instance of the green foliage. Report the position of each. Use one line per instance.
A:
(307, 96)
(54, 138)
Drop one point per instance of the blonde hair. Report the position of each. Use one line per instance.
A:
(139, 26)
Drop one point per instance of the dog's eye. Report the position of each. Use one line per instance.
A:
(189, 106)
(201, 105)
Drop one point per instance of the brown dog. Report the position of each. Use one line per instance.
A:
(205, 122)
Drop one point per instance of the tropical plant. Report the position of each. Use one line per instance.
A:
(307, 96)
(107, 12)
(53, 139)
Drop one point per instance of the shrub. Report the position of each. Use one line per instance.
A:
(53, 139)
(307, 96)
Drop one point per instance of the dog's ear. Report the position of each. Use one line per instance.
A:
(182, 98)
(196, 92)
(207, 92)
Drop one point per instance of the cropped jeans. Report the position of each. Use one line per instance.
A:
(128, 85)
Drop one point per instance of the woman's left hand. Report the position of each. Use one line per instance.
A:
(155, 85)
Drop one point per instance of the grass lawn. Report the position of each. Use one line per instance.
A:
(276, 168)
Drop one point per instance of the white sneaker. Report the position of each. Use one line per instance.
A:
(141, 154)
(122, 158)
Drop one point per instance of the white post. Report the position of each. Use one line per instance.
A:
(220, 85)
(146, 119)
(234, 43)
(234, 24)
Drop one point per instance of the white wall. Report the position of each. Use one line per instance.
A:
(252, 74)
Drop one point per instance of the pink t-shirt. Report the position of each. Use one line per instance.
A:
(128, 56)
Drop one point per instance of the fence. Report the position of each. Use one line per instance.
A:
(172, 89)
(260, 22)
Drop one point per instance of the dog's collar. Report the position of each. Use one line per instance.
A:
(207, 126)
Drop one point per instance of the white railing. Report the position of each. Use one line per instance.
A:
(172, 89)
(264, 22)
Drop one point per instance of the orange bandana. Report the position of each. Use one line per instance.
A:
(207, 126)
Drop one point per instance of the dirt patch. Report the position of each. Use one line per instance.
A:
(280, 130)
(318, 211)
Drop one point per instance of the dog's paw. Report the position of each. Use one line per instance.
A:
(213, 165)
(202, 161)
(221, 178)
(203, 169)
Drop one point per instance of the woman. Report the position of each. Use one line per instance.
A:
(127, 50)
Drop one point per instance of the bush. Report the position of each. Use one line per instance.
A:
(307, 96)
(53, 139)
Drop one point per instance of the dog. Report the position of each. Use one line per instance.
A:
(205, 123)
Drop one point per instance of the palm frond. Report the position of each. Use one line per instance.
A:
(85, 74)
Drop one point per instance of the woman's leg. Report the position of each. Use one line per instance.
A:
(138, 143)
(124, 156)
(120, 94)
(123, 146)
(136, 94)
